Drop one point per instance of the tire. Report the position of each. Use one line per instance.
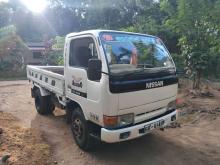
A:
(43, 104)
(80, 130)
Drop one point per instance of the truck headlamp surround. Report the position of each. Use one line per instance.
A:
(118, 121)
(125, 120)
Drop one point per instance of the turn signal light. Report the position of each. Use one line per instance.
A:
(118, 121)
(110, 121)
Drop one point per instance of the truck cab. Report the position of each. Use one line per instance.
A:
(116, 86)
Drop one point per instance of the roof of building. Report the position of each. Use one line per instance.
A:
(35, 44)
(39, 45)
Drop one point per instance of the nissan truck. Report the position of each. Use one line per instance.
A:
(114, 86)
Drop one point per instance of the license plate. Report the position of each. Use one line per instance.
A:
(154, 125)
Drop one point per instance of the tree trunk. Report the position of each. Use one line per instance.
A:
(197, 80)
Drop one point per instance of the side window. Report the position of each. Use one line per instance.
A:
(92, 47)
(81, 50)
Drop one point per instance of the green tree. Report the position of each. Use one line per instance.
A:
(195, 22)
(55, 56)
(11, 49)
(5, 14)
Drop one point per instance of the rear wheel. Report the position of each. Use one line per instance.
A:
(80, 130)
(43, 104)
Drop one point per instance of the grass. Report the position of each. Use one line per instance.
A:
(11, 76)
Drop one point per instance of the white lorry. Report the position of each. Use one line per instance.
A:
(114, 86)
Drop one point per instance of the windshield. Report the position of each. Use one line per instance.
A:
(129, 52)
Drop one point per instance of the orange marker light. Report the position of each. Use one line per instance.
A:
(110, 121)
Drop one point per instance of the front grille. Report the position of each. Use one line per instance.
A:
(156, 117)
(140, 114)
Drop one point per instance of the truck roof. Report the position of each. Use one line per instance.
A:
(97, 31)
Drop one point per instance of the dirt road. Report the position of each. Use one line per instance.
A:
(194, 143)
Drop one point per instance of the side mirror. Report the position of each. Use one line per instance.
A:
(94, 69)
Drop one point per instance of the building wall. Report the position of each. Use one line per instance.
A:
(29, 58)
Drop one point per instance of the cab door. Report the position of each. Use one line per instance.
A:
(78, 87)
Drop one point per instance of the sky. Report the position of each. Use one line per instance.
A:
(3, 0)
(35, 6)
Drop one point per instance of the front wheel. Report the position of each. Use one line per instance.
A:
(80, 130)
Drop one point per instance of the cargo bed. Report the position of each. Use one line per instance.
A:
(49, 77)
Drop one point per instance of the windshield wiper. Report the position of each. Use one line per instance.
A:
(136, 72)
(145, 66)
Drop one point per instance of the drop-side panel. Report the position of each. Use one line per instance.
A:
(46, 78)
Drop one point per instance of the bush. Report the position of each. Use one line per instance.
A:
(5, 66)
(54, 57)
(13, 75)
(179, 61)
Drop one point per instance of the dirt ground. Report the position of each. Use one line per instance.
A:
(34, 139)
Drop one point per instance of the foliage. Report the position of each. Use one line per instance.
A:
(58, 43)
(5, 65)
(12, 75)
(54, 57)
(197, 27)
(11, 50)
(5, 14)
(179, 61)
(7, 31)
(190, 29)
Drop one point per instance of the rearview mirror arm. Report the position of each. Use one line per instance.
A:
(105, 73)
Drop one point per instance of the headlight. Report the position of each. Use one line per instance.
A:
(118, 121)
(171, 105)
(125, 120)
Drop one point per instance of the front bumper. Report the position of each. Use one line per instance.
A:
(112, 136)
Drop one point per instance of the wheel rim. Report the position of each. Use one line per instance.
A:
(77, 127)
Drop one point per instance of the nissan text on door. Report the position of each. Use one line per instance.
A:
(114, 86)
